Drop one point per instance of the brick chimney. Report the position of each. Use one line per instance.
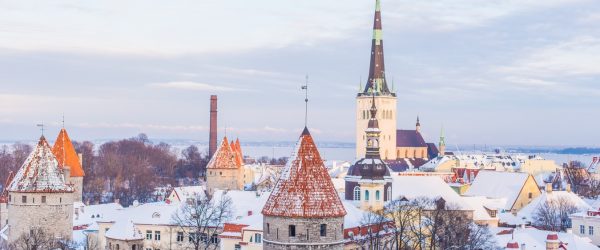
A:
(212, 140)
(512, 245)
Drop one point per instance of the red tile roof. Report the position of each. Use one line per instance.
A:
(225, 157)
(65, 154)
(304, 188)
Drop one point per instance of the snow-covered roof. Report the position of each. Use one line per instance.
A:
(536, 239)
(225, 157)
(189, 192)
(124, 230)
(304, 188)
(528, 212)
(479, 205)
(88, 215)
(243, 201)
(431, 187)
(497, 184)
(40, 172)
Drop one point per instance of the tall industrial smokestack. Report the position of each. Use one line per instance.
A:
(212, 140)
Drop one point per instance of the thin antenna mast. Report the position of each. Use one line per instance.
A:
(305, 88)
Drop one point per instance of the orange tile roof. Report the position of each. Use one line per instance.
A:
(224, 157)
(65, 154)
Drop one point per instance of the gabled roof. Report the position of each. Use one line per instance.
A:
(409, 138)
(40, 172)
(432, 150)
(497, 184)
(65, 154)
(124, 230)
(224, 158)
(304, 188)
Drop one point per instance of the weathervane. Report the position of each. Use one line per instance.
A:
(63, 120)
(305, 88)
(41, 126)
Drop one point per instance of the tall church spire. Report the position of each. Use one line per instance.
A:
(376, 81)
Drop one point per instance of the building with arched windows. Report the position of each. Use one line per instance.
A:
(368, 182)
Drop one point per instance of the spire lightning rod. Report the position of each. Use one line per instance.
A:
(305, 88)
(41, 126)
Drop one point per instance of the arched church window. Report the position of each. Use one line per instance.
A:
(389, 193)
(356, 193)
(377, 196)
(366, 195)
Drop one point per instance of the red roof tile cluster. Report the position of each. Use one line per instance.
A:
(227, 156)
(65, 154)
(304, 188)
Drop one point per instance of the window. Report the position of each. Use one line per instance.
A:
(581, 229)
(530, 195)
(214, 239)
(33, 200)
(117, 246)
(237, 247)
(148, 235)
(591, 230)
(366, 195)
(179, 236)
(277, 233)
(389, 193)
(60, 200)
(323, 230)
(157, 235)
(357, 193)
(268, 228)
(193, 237)
(292, 231)
(204, 237)
(377, 195)
(43, 199)
(258, 237)
(24, 199)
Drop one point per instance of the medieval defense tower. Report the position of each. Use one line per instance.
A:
(39, 198)
(304, 210)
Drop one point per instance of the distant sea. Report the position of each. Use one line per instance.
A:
(345, 151)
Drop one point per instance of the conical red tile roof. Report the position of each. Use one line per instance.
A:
(40, 172)
(225, 157)
(304, 188)
(65, 154)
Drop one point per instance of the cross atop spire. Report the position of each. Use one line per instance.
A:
(376, 80)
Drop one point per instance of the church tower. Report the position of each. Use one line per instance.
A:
(384, 99)
(368, 182)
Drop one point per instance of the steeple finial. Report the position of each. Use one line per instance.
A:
(63, 120)
(41, 126)
(305, 88)
(418, 125)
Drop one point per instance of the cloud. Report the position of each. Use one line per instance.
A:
(196, 86)
(142, 126)
(577, 56)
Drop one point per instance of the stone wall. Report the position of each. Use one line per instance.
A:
(124, 245)
(277, 235)
(224, 179)
(3, 214)
(78, 188)
(54, 215)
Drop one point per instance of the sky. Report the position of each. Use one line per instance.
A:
(511, 72)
